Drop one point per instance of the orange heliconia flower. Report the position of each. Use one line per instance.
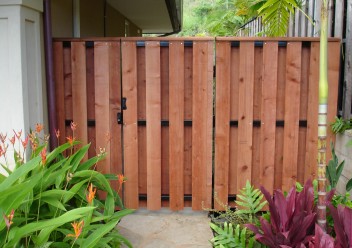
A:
(121, 179)
(18, 135)
(25, 143)
(73, 126)
(13, 139)
(8, 219)
(77, 228)
(39, 127)
(91, 194)
(57, 133)
(3, 138)
(70, 140)
(43, 155)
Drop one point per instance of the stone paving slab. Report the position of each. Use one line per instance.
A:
(159, 229)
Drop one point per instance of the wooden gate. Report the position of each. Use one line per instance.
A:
(149, 103)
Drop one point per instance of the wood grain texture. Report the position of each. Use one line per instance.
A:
(202, 125)
(188, 116)
(142, 130)
(222, 120)
(115, 107)
(176, 124)
(312, 120)
(235, 67)
(68, 91)
(303, 113)
(292, 106)
(91, 100)
(268, 115)
(257, 109)
(130, 131)
(102, 102)
(164, 96)
(245, 110)
(153, 117)
(79, 91)
(59, 90)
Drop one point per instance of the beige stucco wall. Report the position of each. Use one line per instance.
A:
(115, 22)
(91, 20)
(61, 14)
(344, 152)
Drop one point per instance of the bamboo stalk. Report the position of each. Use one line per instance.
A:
(322, 116)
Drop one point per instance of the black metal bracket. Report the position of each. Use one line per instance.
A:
(124, 103)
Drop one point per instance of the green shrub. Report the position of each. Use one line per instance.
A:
(50, 200)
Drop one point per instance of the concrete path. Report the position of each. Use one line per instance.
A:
(151, 229)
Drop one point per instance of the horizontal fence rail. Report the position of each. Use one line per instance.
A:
(154, 106)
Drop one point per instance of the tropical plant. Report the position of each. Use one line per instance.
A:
(291, 218)
(343, 225)
(228, 237)
(321, 239)
(334, 168)
(250, 201)
(50, 200)
(340, 125)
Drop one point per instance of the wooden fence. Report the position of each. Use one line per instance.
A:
(163, 93)
(339, 26)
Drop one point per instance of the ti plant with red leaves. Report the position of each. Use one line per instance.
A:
(292, 219)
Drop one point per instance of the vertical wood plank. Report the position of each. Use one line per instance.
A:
(68, 91)
(202, 124)
(292, 107)
(310, 28)
(333, 79)
(330, 17)
(188, 116)
(222, 120)
(102, 95)
(130, 132)
(164, 91)
(176, 124)
(153, 114)
(312, 120)
(234, 71)
(268, 117)
(59, 89)
(297, 23)
(257, 110)
(114, 108)
(304, 20)
(141, 115)
(91, 100)
(245, 110)
(79, 91)
(339, 15)
(303, 113)
(347, 98)
(317, 12)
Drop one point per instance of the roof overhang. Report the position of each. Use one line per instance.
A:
(152, 16)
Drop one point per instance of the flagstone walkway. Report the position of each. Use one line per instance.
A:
(159, 229)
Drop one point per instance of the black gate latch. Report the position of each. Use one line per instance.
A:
(119, 118)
